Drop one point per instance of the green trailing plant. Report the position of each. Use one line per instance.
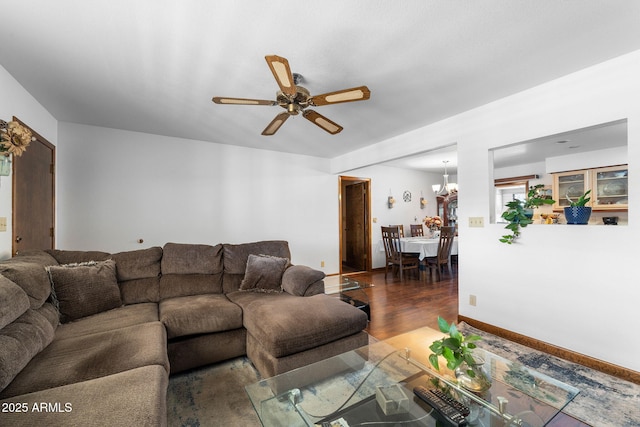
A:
(455, 348)
(582, 201)
(518, 212)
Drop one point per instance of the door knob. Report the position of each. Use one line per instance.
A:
(18, 239)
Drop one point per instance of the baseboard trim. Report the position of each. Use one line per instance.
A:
(563, 353)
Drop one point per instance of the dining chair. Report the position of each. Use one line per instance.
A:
(401, 228)
(395, 258)
(417, 230)
(447, 234)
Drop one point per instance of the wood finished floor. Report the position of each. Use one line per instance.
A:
(402, 306)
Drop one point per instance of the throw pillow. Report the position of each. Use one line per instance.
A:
(297, 279)
(263, 273)
(80, 290)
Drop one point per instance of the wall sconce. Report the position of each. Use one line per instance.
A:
(390, 200)
(423, 201)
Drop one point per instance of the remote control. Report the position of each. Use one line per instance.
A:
(451, 410)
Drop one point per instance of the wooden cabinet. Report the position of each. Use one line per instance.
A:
(448, 209)
(608, 187)
(571, 184)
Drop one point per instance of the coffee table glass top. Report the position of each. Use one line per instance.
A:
(374, 384)
(341, 283)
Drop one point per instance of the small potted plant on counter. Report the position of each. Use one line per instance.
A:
(578, 212)
(519, 213)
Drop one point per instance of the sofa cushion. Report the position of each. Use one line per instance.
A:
(181, 258)
(29, 273)
(297, 279)
(71, 257)
(235, 259)
(181, 285)
(109, 320)
(199, 314)
(92, 356)
(24, 338)
(136, 397)
(139, 275)
(140, 290)
(138, 264)
(264, 273)
(13, 301)
(84, 289)
(282, 323)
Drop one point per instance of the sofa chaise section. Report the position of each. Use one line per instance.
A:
(137, 397)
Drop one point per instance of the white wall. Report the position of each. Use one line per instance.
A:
(115, 187)
(15, 101)
(567, 285)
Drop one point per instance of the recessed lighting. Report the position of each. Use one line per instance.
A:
(574, 146)
(562, 141)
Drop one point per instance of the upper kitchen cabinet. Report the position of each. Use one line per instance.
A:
(608, 187)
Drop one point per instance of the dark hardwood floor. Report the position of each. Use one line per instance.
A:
(402, 306)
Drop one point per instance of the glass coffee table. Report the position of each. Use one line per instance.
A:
(349, 290)
(374, 385)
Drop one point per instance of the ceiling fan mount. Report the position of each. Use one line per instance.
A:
(297, 99)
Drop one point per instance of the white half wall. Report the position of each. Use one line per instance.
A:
(570, 286)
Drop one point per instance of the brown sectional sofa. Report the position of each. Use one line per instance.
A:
(90, 338)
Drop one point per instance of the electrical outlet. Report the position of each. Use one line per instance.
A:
(321, 263)
(476, 221)
(3, 223)
(472, 300)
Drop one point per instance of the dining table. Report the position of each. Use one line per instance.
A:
(425, 246)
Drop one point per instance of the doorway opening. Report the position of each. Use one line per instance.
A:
(355, 220)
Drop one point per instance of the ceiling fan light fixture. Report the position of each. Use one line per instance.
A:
(296, 99)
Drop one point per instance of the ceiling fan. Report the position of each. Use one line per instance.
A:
(296, 99)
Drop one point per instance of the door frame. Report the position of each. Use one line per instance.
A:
(342, 180)
(39, 139)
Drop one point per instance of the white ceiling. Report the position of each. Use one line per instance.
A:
(153, 65)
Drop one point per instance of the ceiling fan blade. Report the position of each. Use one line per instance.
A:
(346, 95)
(320, 120)
(280, 68)
(241, 101)
(275, 124)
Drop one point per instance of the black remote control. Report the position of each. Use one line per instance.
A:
(450, 409)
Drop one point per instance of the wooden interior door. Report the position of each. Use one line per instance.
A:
(34, 196)
(356, 233)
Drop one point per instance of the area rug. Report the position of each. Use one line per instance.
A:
(603, 401)
(215, 395)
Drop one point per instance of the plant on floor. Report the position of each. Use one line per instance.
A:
(519, 212)
(455, 348)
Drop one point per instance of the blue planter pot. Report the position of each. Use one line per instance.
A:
(577, 214)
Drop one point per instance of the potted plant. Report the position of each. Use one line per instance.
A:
(519, 213)
(578, 212)
(457, 349)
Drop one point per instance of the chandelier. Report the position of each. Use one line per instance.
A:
(446, 188)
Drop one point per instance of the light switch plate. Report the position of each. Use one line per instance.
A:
(476, 221)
